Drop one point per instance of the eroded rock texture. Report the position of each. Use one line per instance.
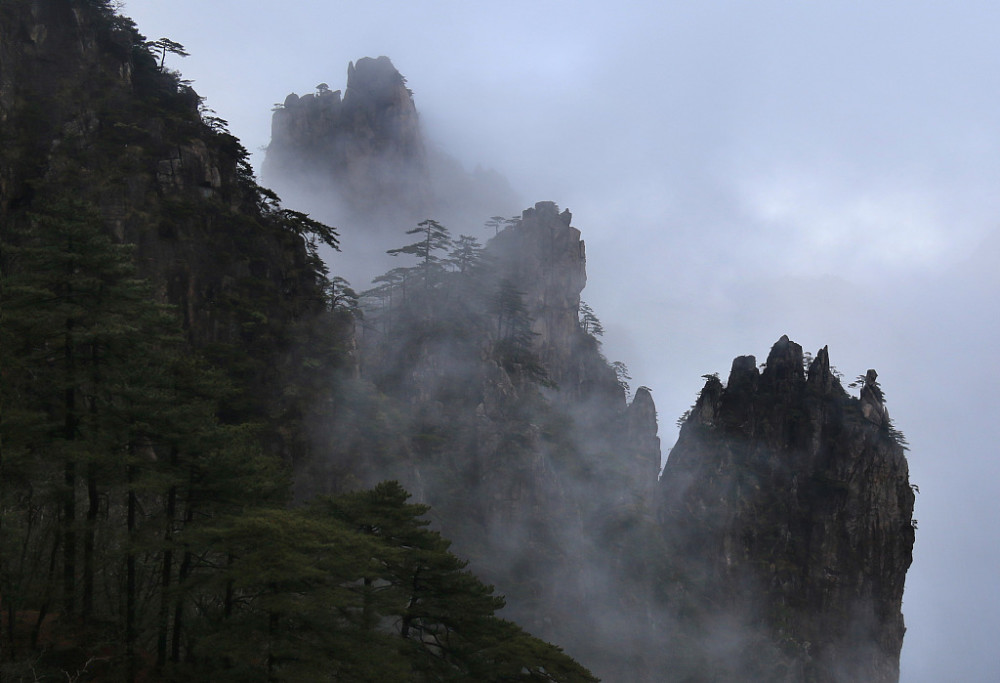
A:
(786, 511)
(362, 161)
(366, 146)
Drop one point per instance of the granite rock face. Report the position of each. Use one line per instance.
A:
(642, 438)
(544, 255)
(773, 548)
(366, 146)
(775, 545)
(786, 512)
(362, 161)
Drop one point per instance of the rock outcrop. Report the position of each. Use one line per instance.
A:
(642, 439)
(775, 546)
(366, 146)
(786, 511)
(518, 433)
(362, 162)
(544, 255)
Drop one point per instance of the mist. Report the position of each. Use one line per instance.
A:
(738, 172)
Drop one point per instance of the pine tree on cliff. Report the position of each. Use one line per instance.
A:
(90, 384)
(466, 254)
(435, 240)
(165, 45)
(109, 429)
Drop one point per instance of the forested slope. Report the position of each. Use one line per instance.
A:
(168, 330)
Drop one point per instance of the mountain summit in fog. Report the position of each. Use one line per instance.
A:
(363, 162)
(365, 148)
(787, 516)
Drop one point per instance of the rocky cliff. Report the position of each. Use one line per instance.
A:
(510, 422)
(362, 161)
(773, 547)
(93, 118)
(545, 256)
(366, 146)
(786, 512)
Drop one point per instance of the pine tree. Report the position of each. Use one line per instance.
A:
(445, 617)
(466, 254)
(165, 45)
(296, 602)
(111, 444)
(78, 322)
(495, 222)
(434, 241)
(622, 375)
(589, 321)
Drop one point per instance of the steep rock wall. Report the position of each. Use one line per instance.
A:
(363, 162)
(91, 116)
(543, 255)
(775, 545)
(367, 147)
(786, 511)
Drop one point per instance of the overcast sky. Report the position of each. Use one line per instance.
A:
(739, 170)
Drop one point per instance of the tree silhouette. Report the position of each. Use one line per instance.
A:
(495, 222)
(589, 322)
(513, 345)
(165, 45)
(466, 254)
(621, 373)
(435, 240)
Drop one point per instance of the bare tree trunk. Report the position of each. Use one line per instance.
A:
(228, 604)
(43, 610)
(130, 597)
(182, 575)
(185, 569)
(93, 500)
(272, 629)
(166, 573)
(69, 477)
(93, 504)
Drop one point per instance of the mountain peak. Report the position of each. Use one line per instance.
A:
(788, 517)
(376, 81)
(362, 162)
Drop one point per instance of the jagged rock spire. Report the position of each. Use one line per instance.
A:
(787, 517)
(366, 148)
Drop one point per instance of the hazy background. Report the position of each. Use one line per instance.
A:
(740, 171)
